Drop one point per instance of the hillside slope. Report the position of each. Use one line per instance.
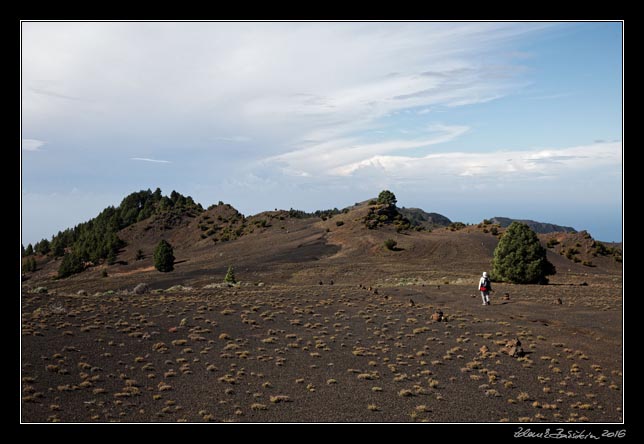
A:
(284, 247)
(537, 227)
(420, 217)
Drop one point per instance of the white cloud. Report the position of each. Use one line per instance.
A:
(145, 159)
(497, 165)
(32, 144)
(281, 83)
(335, 156)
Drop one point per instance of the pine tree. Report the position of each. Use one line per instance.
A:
(42, 247)
(30, 250)
(164, 257)
(71, 264)
(230, 276)
(57, 246)
(29, 265)
(387, 198)
(519, 257)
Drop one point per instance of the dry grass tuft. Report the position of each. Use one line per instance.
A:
(523, 396)
(258, 406)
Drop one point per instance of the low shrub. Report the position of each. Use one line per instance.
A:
(390, 244)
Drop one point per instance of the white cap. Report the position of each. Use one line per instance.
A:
(485, 274)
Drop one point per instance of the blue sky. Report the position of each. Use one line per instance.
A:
(471, 120)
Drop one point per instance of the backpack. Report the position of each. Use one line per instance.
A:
(486, 284)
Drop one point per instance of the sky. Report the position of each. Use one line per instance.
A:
(468, 119)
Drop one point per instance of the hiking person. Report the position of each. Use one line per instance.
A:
(485, 286)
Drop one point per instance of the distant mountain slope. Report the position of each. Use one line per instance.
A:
(419, 217)
(120, 241)
(537, 227)
(582, 248)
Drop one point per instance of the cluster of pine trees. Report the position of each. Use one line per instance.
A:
(97, 239)
(29, 265)
(323, 214)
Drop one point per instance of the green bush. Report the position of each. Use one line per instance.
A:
(519, 257)
(552, 242)
(570, 253)
(601, 249)
(164, 257)
(71, 264)
(230, 276)
(455, 226)
(390, 244)
(402, 226)
(387, 198)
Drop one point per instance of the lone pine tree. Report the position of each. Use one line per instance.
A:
(230, 276)
(164, 257)
(519, 257)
